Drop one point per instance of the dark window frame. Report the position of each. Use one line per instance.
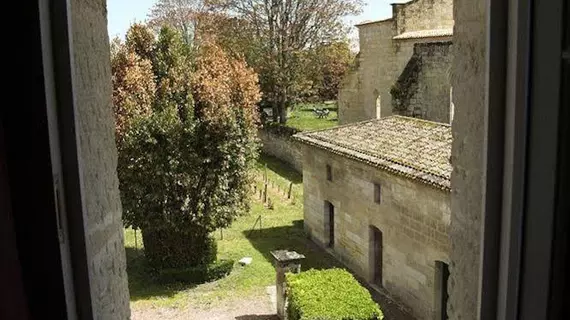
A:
(512, 130)
(523, 101)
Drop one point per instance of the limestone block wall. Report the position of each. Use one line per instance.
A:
(468, 81)
(283, 148)
(413, 218)
(366, 91)
(98, 157)
(427, 89)
(350, 105)
(423, 15)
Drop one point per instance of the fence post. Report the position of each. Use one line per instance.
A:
(265, 194)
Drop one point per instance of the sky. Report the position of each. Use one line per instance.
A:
(122, 13)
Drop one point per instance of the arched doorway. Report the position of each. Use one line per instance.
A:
(378, 104)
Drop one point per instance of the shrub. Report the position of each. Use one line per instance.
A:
(198, 274)
(186, 140)
(329, 295)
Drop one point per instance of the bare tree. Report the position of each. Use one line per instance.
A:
(286, 28)
(177, 14)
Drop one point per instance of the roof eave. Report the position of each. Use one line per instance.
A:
(386, 165)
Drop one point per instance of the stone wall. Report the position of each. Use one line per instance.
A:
(365, 93)
(468, 81)
(423, 15)
(424, 91)
(412, 217)
(98, 157)
(282, 147)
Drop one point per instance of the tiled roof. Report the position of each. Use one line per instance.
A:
(434, 33)
(409, 147)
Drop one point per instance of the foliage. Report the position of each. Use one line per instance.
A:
(281, 33)
(406, 85)
(178, 15)
(282, 228)
(329, 295)
(185, 153)
(198, 274)
(327, 67)
(133, 87)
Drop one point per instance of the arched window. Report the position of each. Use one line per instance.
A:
(378, 104)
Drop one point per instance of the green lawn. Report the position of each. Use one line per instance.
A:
(303, 118)
(282, 228)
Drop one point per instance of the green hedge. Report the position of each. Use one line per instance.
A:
(199, 274)
(329, 295)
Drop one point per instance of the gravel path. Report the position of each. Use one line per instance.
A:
(260, 308)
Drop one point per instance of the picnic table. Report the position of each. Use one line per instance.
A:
(321, 113)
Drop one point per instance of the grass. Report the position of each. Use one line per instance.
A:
(303, 118)
(282, 228)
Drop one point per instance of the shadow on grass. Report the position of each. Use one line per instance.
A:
(143, 283)
(281, 168)
(291, 237)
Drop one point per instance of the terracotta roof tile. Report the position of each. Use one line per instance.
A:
(414, 148)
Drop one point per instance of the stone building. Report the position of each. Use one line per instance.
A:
(377, 194)
(410, 48)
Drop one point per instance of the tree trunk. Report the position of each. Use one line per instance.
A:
(276, 112)
(172, 249)
(282, 112)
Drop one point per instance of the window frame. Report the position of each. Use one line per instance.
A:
(523, 81)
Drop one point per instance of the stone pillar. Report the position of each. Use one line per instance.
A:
(285, 261)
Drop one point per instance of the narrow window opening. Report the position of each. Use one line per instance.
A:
(377, 193)
(329, 223)
(329, 173)
(378, 107)
(376, 255)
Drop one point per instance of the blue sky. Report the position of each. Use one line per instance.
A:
(122, 13)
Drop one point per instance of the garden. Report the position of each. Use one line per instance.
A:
(197, 197)
(281, 228)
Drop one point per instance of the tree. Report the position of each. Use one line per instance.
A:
(184, 166)
(133, 86)
(328, 66)
(176, 14)
(284, 29)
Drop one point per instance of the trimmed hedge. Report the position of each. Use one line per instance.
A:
(329, 295)
(199, 274)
